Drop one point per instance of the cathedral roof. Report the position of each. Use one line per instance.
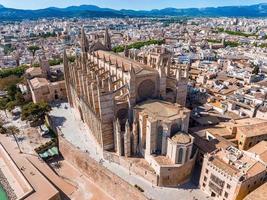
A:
(181, 138)
(127, 62)
(162, 109)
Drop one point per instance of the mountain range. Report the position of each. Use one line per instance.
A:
(89, 11)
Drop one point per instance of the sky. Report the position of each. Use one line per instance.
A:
(126, 4)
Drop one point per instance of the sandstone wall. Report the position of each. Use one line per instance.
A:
(111, 183)
(132, 167)
(173, 176)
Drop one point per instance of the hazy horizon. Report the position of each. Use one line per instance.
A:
(127, 4)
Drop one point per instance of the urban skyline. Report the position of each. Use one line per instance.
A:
(104, 104)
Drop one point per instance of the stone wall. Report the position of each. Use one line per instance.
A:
(132, 166)
(173, 176)
(109, 182)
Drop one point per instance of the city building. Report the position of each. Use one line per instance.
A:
(42, 90)
(231, 174)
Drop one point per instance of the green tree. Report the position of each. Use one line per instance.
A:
(137, 45)
(33, 49)
(3, 104)
(17, 71)
(55, 62)
(35, 111)
(8, 81)
(11, 105)
(3, 130)
(12, 91)
(19, 99)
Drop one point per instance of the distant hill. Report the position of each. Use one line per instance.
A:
(89, 11)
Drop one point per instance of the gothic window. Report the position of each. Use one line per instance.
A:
(180, 156)
(159, 140)
(122, 115)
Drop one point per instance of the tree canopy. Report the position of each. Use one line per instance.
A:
(137, 45)
(17, 71)
(33, 49)
(35, 111)
(10, 80)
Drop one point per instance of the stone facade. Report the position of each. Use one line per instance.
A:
(110, 91)
(109, 182)
(46, 91)
(104, 86)
(230, 174)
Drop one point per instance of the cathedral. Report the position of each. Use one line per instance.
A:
(134, 105)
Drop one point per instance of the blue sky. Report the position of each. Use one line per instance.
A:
(127, 4)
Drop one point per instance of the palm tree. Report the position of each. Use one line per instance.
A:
(13, 130)
(2, 128)
(33, 50)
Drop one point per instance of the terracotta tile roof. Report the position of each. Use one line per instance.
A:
(39, 82)
(258, 194)
(224, 166)
(253, 129)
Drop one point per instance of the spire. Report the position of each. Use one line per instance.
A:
(178, 74)
(127, 125)
(126, 51)
(84, 41)
(107, 40)
(132, 71)
(118, 125)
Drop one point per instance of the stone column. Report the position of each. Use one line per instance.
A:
(165, 135)
(135, 137)
(117, 134)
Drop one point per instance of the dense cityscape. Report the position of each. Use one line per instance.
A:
(138, 107)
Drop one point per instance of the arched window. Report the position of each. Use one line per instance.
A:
(180, 156)
(122, 115)
(159, 140)
(146, 90)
